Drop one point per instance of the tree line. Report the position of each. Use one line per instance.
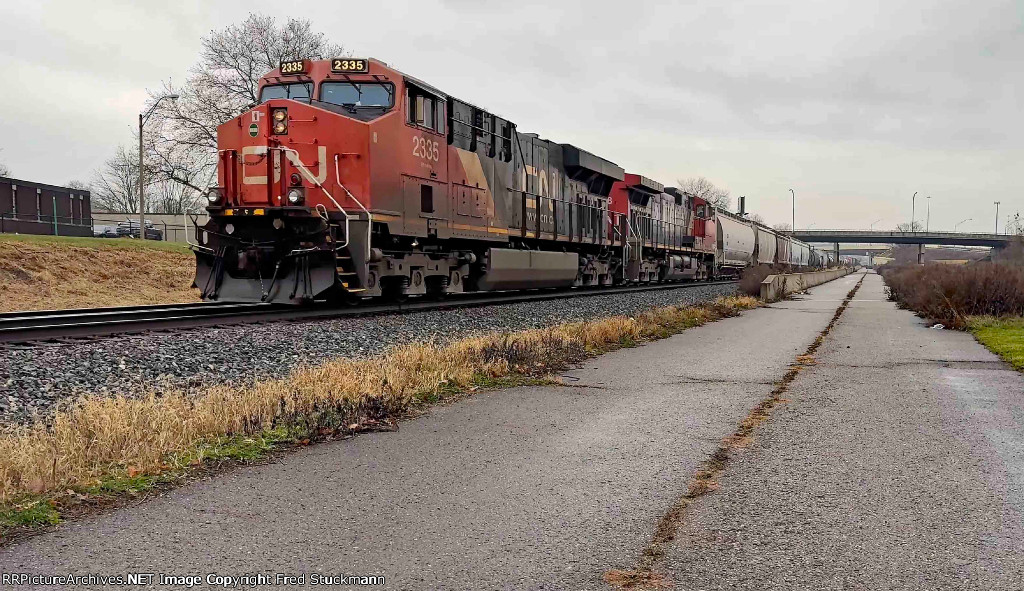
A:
(180, 139)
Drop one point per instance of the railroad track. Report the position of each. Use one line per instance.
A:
(58, 325)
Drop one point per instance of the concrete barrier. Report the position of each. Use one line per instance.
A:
(775, 287)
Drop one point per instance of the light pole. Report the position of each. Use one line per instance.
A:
(142, 190)
(960, 222)
(794, 208)
(913, 202)
(997, 216)
(875, 222)
(928, 219)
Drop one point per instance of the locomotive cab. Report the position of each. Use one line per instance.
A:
(286, 222)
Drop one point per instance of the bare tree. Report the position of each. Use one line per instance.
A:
(4, 170)
(706, 190)
(165, 196)
(756, 217)
(223, 83)
(910, 227)
(783, 227)
(78, 185)
(115, 186)
(1015, 225)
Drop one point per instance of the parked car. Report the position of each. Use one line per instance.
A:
(104, 232)
(130, 229)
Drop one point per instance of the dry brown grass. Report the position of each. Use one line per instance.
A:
(953, 294)
(98, 436)
(38, 273)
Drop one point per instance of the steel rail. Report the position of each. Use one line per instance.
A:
(23, 327)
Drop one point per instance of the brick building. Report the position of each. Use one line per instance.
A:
(36, 208)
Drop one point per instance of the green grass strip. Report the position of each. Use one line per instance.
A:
(1002, 336)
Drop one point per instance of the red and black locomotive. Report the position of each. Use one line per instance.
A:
(350, 177)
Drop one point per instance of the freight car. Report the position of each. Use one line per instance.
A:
(743, 243)
(350, 178)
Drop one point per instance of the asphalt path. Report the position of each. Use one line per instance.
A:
(897, 462)
(526, 488)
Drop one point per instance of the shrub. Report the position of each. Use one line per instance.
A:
(951, 293)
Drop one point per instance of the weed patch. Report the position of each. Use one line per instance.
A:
(952, 293)
(31, 512)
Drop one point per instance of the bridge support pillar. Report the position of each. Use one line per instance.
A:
(837, 254)
(920, 254)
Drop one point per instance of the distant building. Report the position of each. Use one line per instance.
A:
(174, 227)
(37, 208)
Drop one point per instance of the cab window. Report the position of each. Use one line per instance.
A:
(424, 109)
(355, 94)
(299, 91)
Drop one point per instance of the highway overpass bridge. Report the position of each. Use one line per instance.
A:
(897, 237)
(837, 237)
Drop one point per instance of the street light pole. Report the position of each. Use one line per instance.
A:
(913, 202)
(794, 208)
(928, 219)
(142, 190)
(997, 217)
(956, 225)
(875, 222)
(142, 206)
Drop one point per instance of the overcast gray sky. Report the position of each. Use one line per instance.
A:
(854, 104)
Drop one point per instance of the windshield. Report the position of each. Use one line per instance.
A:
(298, 91)
(370, 94)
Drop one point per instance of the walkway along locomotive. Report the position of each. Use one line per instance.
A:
(350, 177)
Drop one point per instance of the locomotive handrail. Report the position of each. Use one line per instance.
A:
(369, 216)
(195, 222)
(309, 174)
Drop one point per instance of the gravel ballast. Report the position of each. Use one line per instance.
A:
(35, 379)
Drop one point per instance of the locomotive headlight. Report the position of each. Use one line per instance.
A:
(214, 195)
(230, 228)
(296, 195)
(280, 117)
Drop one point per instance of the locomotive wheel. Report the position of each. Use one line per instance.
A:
(393, 289)
(437, 288)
